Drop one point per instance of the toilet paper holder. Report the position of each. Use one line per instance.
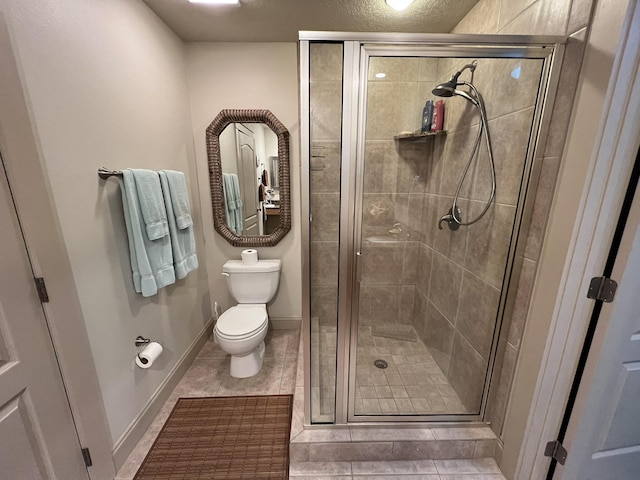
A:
(148, 351)
(140, 341)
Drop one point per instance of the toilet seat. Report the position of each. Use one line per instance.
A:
(242, 321)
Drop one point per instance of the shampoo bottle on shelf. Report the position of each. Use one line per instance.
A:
(437, 122)
(427, 113)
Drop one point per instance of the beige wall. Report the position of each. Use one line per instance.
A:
(256, 76)
(106, 85)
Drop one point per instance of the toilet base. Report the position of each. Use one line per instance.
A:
(247, 365)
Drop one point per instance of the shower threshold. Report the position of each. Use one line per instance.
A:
(383, 441)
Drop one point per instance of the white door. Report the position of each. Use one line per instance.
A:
(247, 169)
(603, 438)
(37, 435)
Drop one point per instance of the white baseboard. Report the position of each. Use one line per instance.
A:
(287, 323)
(130, 438)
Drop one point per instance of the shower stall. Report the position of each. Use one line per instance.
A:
(415, 236)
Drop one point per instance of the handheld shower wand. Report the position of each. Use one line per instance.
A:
(454, 216)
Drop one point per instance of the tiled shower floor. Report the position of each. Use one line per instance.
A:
(412, 383)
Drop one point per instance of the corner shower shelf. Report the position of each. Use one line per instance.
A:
(418, 136)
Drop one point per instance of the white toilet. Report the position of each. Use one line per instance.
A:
(240, 331)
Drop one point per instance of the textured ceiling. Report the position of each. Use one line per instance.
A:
(280, 20)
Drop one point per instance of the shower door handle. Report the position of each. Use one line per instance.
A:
(358, 266)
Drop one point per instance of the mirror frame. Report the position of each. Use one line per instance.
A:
(222, 120)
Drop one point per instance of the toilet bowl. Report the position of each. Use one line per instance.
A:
(240, 331)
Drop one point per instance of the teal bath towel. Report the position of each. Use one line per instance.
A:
(182, 239)
(151, 260)
(232, 202)
(179, 198)
(151, 203)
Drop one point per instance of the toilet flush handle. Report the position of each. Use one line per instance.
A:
(225, 274)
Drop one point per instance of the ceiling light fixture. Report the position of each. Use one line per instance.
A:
(399, 4)
(216, 2)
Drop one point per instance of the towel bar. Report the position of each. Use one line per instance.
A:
(105, 173)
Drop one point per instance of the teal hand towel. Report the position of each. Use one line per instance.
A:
(151, 203)
(179, 198)
(229, 201)
(183, 242)
(238, 212)
(151, 260)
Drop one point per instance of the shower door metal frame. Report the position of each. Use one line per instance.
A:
(358, 48)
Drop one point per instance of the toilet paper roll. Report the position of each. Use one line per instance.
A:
(148, 354)
(249, 257)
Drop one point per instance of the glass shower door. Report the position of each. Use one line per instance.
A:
(429, 300)
(325, 92)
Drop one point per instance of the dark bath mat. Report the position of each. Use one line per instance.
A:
(396, 332)
(222, 438)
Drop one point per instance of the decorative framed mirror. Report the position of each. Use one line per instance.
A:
(248, 155)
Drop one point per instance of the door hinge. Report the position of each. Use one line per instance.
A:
(42, 289)
(556, 451)
(87, 457)
(602, 288)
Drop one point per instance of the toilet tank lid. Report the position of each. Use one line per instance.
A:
(264, 266)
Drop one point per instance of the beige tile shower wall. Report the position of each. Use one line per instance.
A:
(461, 272)
(326, 112)
(456, 276)
(397, 175)
(447, 284)
(325, 78)
(533, 17)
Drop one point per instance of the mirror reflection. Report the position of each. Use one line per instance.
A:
(249, 158)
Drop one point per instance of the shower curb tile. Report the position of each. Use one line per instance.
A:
(322, 477)
(297, 416)
(434, 450)
(322, 468)
(470, 433)
(480, 476)
(298, 453)
(480, 465)
(348, 452)
(324, 435)
(396, 477)
(485, 449)
(393, 467)
(391, 434)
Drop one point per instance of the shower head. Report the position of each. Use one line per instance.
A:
(448, 89)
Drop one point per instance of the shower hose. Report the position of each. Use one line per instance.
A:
(484, 128)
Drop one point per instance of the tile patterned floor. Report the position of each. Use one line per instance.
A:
(412, 383)
(208, 376)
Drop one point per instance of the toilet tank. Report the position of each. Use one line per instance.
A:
(256, 283)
